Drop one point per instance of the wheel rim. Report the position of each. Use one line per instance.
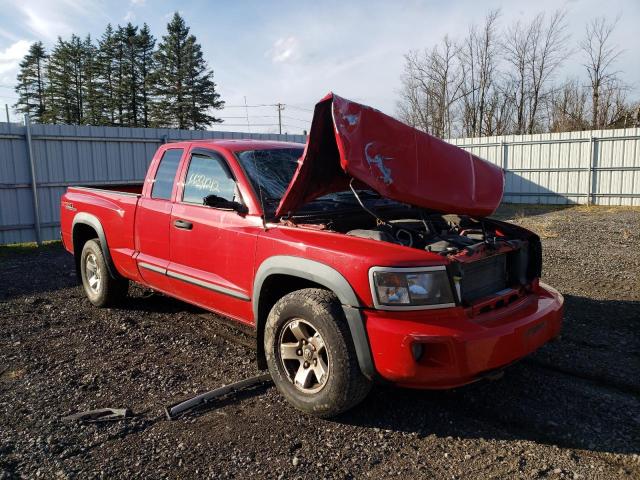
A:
(304, 355)
(94, 275)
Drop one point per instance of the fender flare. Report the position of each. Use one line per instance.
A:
(92, 221)
(333, 280)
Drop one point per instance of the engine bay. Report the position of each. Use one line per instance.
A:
(414, 228)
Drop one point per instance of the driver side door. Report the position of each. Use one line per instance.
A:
(212, 249)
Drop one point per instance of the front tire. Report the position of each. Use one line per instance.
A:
(310, 354)
(100, 287)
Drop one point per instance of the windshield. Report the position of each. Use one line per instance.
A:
(271, 170)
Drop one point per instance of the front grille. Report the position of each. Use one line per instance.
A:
(482, 278)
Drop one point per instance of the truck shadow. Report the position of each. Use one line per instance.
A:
(580, 392)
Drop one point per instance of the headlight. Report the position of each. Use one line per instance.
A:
(410, 288)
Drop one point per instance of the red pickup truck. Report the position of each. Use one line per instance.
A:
(365, 256)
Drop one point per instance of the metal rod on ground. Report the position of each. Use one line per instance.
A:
(173, 411)
(34, 183)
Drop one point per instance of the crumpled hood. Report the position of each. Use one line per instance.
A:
(349, 140)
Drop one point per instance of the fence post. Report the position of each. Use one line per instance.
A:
(503, 154)
(34, 183)
(592, 143)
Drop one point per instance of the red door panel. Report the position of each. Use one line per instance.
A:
(212, 249)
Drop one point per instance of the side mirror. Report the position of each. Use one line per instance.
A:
(219, 202)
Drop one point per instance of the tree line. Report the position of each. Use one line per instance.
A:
(498, 81)
(123, 79)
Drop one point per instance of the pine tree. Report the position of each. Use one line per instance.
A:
(121, 81)
(183, 83)
(72, 86)
(120, 90)
(130, 78)
(146, 44)
(93, 105)
(62, 105)
(201, 91)
(32, 83)
(107, 81)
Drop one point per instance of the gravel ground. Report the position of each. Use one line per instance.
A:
(572, 410)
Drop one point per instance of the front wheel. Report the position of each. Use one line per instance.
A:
(101, 288)
(310, 353)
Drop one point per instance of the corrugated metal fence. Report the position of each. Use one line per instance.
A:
(600, 167)
(64, 155)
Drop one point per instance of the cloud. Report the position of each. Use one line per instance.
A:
(137, 3)
(44, 25)
(11, 56)
(10, 59)
(49, 19)
(130, 16)
(285, 49)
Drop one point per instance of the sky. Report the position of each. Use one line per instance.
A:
(294, 52)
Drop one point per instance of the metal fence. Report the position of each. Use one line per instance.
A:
(38, 162)
(600, 167)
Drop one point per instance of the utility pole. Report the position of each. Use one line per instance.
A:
(6, 108)
(246, 111)
(280, 108)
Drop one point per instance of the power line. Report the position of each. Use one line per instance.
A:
(252, 116)
(298, 119)
(251, 106)
(300, 108)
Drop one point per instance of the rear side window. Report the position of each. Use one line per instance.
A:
(166, 174)
(208, 176)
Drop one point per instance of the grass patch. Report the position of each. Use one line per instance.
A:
(28, 248)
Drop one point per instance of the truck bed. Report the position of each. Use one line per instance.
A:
(113, 207)
(115, 188)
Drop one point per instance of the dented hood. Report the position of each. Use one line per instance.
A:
(349, 140)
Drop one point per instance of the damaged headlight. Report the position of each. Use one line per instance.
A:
(410, 288)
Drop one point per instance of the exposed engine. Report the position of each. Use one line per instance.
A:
(487, 257)
(434, 234)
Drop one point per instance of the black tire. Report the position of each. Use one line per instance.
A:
(345, 386)
(107, 291)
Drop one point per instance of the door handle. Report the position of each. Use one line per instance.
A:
(183, 224)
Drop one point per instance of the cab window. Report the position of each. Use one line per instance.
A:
(166, 174)
(208, 175)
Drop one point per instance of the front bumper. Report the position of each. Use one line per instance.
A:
(446, 348)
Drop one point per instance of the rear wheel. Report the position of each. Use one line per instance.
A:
(100, 287)
(310, 353)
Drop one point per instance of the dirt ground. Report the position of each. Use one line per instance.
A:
(571, 410)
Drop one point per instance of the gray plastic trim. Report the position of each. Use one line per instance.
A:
(332, 279)
(207, 285)
(92, 221)
(153, 268)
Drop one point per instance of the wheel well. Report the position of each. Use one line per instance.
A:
(82, 233)
(273, 289)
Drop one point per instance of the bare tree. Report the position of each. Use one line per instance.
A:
(534, 51)
(601, 55)
(478, 59)
(496, 82)
(567, 108)
(431, 85)
(549, 50)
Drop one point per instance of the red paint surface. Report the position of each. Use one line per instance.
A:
(348, 139)
(226, 249)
